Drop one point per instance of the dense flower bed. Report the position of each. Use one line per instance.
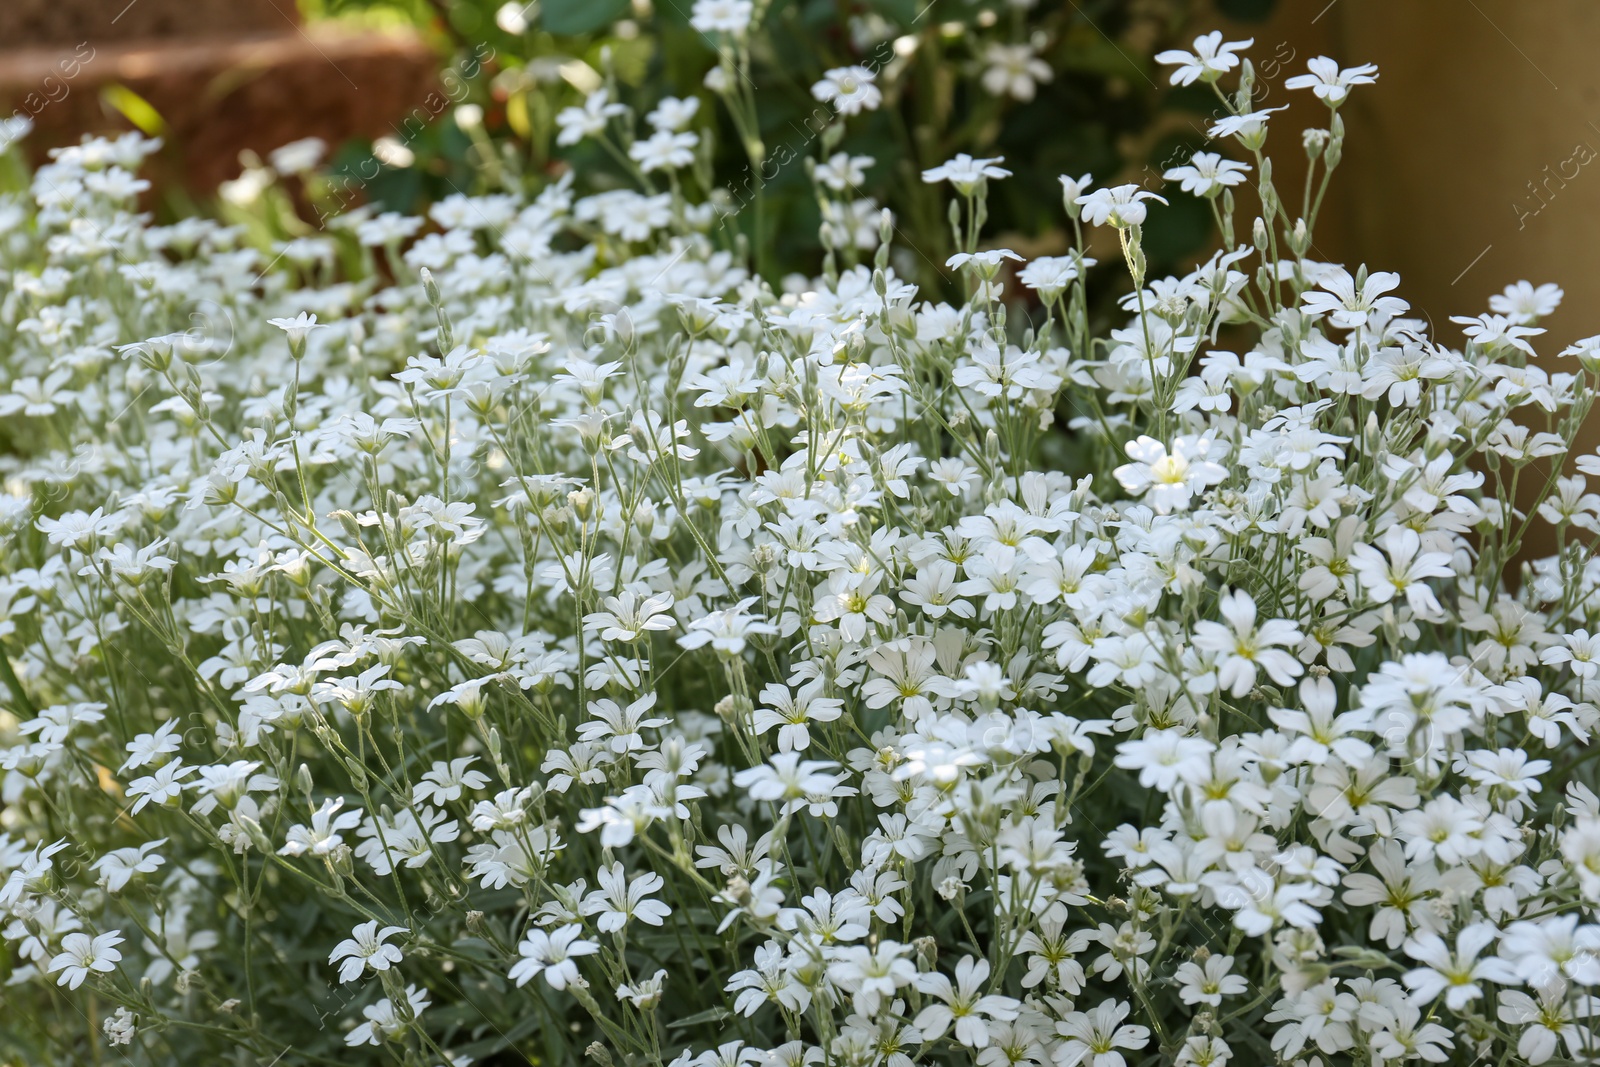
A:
(524, 635)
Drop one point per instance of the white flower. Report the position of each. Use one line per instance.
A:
(1242, 645)
(727, 630)
(589, 120)
(1579, 651)
(963, 1004)
(1403, 893)
(985, 264)
(444, 783)
(1209, 982)
(119, 1027)
(721, 16)
(788, 778)
(1207, 174)
(1492, 331)
(1405, 1036)
(38, 399)
(965, 173)
(1203, 1052)
(1009, 372)
(13, 129)
(1071, 189)
(792, 711)
(298, 328)
(1524, 304)
(1050, 275)
(385, 1022)
(1014, 70)
(620, 727)
(1329, 83)
(512, 16)
(163, 787)
(1164, 757)
(621, 900)
(664, 150)
(1120, 205)
(1455, 975)
(1249, 128)
(644, 994)
(1094, 1037)
(871, 975)
(552, 954)
(1168, 481)
(224, 785)
(54, 724)
(1210, 59)
(323, 836)
(297, 156)
(1351, 307)
(365, 949)
(1545, 951)
(1550, 1021)
(673, 113)
(135, 566)
(629, 617)
(118, 868)
(81, 954)
(849, 89)
(843, 172)
(1400, 569)
(79, 529)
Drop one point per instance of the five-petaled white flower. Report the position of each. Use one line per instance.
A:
(298, 328)
(117, 868)
(1210, 60)
(621, 900)
(366, 949)
(1168, 480)
(1331, 84)
(82, 955)
(963, 1004)
(1354, 303)
(553, 954)
(1120, 205)
(849, 89)
(1456, 975)
(966, 173)
(1244, 645)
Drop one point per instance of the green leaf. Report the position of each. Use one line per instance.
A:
(566, 18)
(711, 1015)
(135, 108)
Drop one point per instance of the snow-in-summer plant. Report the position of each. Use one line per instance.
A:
(923, 79)
(539, 640)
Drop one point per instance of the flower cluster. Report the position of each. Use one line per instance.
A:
(525, 633)
(920, 81)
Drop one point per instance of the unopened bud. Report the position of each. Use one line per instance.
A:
(258, 837)
(927, 953)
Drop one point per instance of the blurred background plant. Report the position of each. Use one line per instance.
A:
(1054, 88)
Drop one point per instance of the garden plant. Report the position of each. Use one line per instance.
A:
(528, 634)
